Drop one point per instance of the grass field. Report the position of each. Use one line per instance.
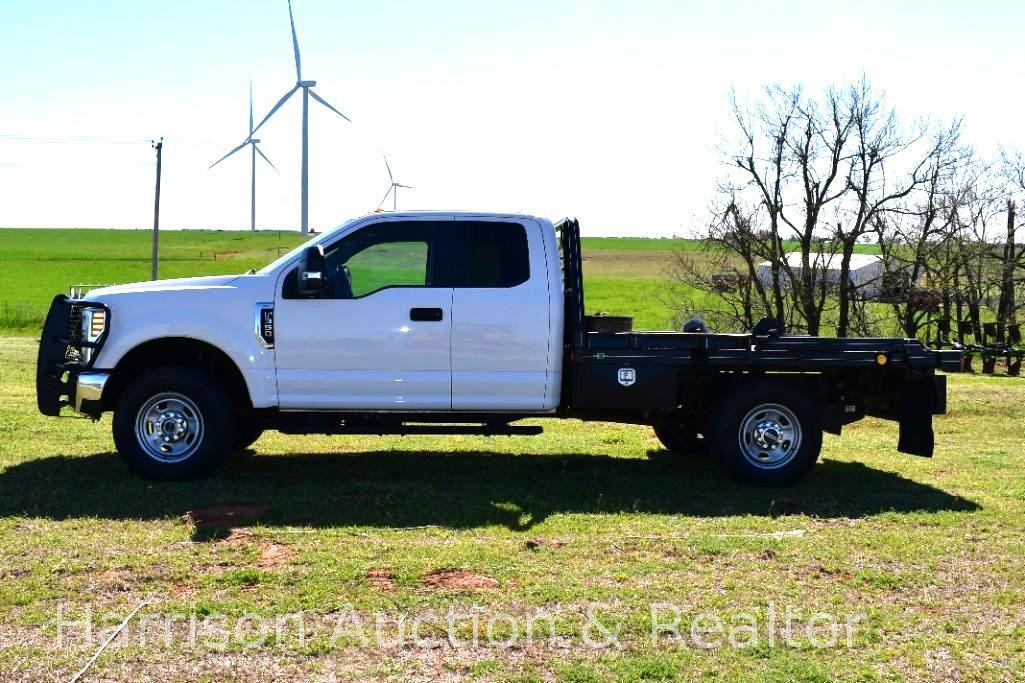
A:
(358, 538)
(623, 276)
(572, 556)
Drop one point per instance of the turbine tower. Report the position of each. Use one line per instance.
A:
(252, 142)
(307, 88)
(393, 189)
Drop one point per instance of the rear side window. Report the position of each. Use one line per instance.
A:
(491, 255)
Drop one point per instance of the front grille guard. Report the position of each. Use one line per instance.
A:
(60, 352)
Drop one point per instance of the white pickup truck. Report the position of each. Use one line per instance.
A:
(452, 323)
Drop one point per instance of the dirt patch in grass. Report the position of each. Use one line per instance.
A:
(458, 579)
(836, 572)
(274, 554)
(542, 542)
(381, 578)
(270, 554)
(182, 591)
(117, 580)
(13, 572)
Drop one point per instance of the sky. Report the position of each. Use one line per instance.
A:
(608, 111)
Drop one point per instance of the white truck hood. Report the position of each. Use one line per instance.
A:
(184, 283)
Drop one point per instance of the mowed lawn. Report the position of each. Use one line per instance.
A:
(588, 524)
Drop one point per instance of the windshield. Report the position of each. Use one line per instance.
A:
(288, 256)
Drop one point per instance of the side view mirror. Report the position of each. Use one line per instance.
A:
(311, 276)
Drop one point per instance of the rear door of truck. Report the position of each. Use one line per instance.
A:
(500, 315)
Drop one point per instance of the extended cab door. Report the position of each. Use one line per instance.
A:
(502, 354)
(378, 337)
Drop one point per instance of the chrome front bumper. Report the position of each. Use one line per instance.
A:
(89, 392)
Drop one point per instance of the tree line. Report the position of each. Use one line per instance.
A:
(813, 179)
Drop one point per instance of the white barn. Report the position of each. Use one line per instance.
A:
(866, 272)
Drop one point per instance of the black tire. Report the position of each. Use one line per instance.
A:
(248, 429)
(201, 427)
(678, 439)
(767, 433)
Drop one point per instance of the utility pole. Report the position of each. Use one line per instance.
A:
(157, 145)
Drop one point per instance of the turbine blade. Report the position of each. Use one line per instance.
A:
(381, 203)
(295, 45)
(246, 142)
(260, 152)
(250, 108)
(408, 187)
(390, 176)
(276, 107)
(324, 102)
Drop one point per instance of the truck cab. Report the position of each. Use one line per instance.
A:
(449, 323)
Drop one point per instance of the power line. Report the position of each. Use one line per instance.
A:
(69, 139)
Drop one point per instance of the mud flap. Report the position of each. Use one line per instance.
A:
(917, 405)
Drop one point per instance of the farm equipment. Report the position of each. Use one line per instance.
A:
(987, 345)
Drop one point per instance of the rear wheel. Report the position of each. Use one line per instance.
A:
(767, 434)
(173, 423)
(677, 438)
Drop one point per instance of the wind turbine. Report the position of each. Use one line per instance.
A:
(252, 142)
(307, 88)
(393, 189)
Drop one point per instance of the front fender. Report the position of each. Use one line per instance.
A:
(217, 316)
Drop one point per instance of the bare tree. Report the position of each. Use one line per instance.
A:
(1012, 257)
(973, 218)
(889, 164)
(811, 177)
(796, 182)
(914, 237)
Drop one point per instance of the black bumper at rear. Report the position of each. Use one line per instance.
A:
(60, 358)
(950, 360)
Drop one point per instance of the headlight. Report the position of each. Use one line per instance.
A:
(94, 324)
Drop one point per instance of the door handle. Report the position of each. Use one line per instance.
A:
(425, 314)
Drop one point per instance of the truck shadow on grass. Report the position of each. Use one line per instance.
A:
(449, 489)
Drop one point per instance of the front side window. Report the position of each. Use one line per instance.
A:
(380, 256)
(387, 264)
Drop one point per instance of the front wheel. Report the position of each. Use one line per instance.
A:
(767, 434)
(247, 430)
(173, 423)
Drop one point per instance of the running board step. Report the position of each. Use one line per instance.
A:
(442, 429)
(402, 429)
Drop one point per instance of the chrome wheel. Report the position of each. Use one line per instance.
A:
(770, 436)
(169, 427)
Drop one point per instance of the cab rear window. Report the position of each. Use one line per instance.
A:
(490, 255)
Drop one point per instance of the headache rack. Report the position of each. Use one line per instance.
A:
(60, 352)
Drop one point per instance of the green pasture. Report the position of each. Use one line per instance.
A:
(622, 276)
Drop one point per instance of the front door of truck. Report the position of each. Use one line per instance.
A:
(379, 336)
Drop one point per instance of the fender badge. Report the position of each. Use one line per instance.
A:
(627, 376)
